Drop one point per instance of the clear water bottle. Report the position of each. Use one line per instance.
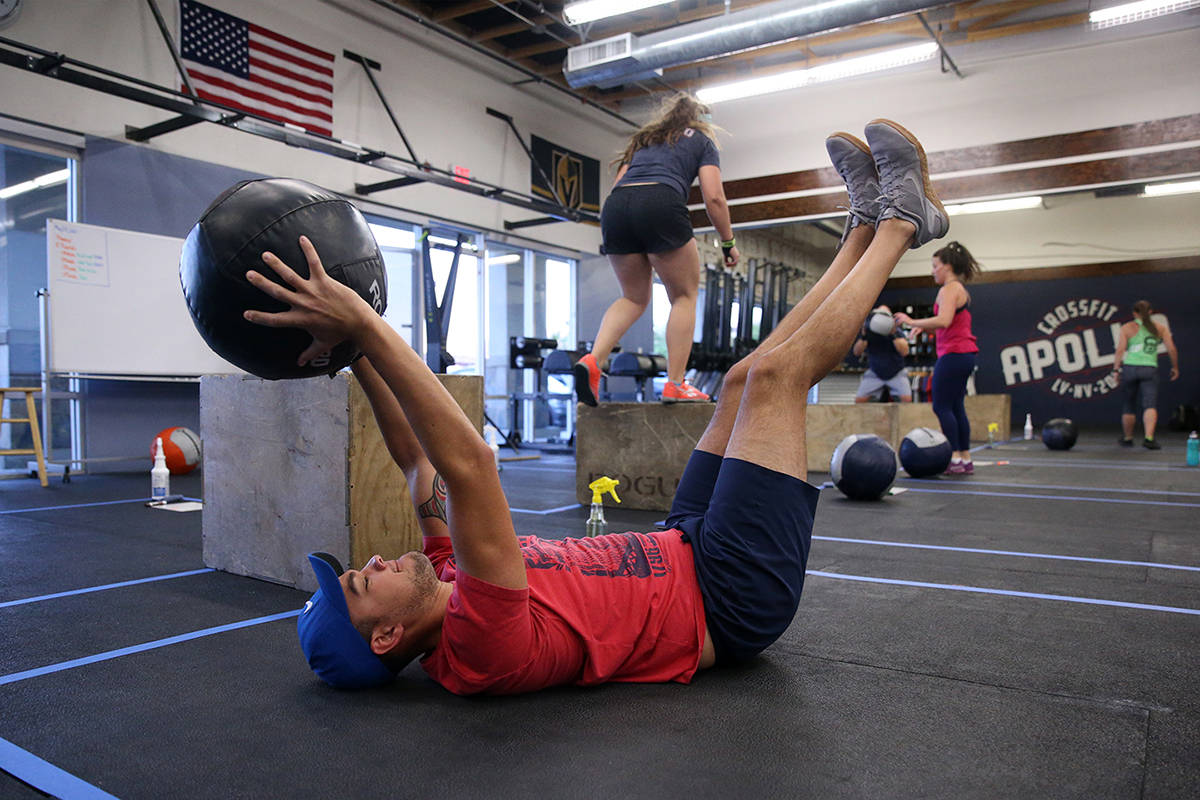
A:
(1193, 450)
(1029, 426)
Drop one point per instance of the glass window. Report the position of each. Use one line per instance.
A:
(462, 337)
(33, 188)
(396, 244)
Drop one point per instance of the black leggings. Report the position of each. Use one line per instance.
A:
(950, 376)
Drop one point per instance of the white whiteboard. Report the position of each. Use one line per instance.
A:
(116, 306)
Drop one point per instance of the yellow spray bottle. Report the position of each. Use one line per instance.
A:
(596, 524)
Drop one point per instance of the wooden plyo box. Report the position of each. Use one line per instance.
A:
(982, 409)
(291, 467)
(643, 445)
(826, 424)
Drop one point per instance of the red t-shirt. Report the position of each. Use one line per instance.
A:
(621, 607)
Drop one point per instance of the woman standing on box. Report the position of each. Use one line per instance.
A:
(647, 229)
(953, 265)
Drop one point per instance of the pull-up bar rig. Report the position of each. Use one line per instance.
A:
(191, 110)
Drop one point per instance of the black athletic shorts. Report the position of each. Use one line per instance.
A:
(750, 529)
(650, 218)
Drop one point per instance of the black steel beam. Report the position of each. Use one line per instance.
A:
(159, 128)
(528, 223)
(394, 183)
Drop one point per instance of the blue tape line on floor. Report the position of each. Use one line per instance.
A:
(918, 546)
(546, 511)
(1095, 601)
(87, 505)
(45, 777)
(1055, 497)
(976, 482)
(40, 598)
(139, 648)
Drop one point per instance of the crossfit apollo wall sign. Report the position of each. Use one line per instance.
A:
(1071, 352)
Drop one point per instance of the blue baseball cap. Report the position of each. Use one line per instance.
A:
(334, 649)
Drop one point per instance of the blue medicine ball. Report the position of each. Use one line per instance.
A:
(863, 467)
(925, 452)
(1059, 434)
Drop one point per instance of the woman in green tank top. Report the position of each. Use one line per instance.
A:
(1137, 370)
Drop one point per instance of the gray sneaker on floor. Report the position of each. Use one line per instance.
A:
(853, 161)
(904, 181)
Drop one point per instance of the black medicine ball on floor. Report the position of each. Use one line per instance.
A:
(925, 452)
(229, 240)
(863, 467)
(1060, 434)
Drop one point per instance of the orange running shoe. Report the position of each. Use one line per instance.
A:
(682, 393)
(587, 380)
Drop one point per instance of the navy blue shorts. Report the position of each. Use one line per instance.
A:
(750, 529)
(650, 218)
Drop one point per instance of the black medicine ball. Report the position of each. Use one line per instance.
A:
(1059, 434)
(925, 453)
(863, 467)
(270, 215)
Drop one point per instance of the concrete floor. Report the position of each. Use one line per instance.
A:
(1031, 631)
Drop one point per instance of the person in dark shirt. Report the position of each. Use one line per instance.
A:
(885, 364)
(647, 229)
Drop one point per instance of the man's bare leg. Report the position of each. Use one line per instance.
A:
(770, 425)
(716, 435)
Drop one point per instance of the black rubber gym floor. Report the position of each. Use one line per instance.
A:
(1030, 631)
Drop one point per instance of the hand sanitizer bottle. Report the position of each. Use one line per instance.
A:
(160, 476)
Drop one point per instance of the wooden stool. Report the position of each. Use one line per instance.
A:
(32, 421)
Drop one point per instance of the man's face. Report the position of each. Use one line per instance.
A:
(390, 591)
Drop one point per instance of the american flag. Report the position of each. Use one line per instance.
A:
(240, 64)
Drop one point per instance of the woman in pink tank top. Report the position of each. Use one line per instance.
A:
(953, 265)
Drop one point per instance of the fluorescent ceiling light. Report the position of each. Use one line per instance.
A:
(509, 258)
(987, 206)
(387, 236)
(1179, 187)
(834, 70)
(1136, 12)
(590, 10)
(40, 182)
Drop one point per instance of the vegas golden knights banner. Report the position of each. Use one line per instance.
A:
(576, 177)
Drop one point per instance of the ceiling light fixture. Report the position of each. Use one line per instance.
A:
(1136, 12)
(40, 182)
(986, 206)
(834, 70)
(1179, 187)
(591, 10)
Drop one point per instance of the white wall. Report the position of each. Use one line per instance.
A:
(438, 91)
(1072, 229)
(1001, 100)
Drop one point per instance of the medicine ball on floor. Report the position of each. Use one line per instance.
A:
(863, 467)
(181, 448)
(925, 452)
(1060, 434)
(229, 240)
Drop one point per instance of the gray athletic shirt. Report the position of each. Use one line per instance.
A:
(673, 164)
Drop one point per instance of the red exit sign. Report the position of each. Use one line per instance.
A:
(462, 174)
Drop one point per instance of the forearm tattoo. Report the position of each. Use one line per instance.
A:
(435, 506)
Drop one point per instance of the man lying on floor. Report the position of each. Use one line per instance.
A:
(489, 612)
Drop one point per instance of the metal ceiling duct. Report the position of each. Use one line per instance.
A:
(617, 59)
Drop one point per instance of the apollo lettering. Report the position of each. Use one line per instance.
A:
(1066, 353)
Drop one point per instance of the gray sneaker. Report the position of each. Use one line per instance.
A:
(904, 181)
(853, 161)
